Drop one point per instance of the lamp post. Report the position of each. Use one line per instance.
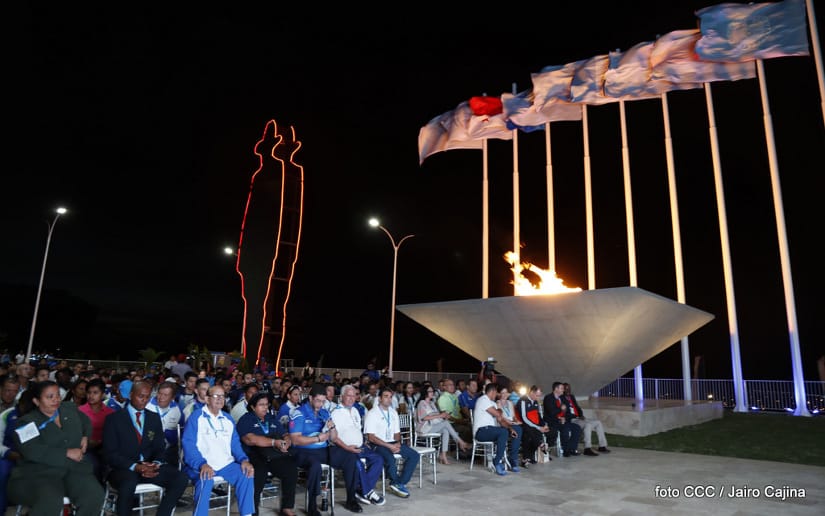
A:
(374, 223)
(58, 212)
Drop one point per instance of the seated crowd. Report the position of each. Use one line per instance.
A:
(177, 427)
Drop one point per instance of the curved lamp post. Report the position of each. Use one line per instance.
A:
(58, 212)
(374, 223)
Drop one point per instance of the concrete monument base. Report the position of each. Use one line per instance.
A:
(628, 416)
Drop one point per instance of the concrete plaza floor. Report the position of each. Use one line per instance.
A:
(624, 482)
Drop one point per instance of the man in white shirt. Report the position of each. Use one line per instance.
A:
(383, 430)
(212, 447)
(166, 407)
(350, 437)
(489, 425)
(240, 407)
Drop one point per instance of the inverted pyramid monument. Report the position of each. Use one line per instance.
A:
(586, 338)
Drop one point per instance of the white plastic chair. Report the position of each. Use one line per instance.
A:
(428, 452)
(110, 498)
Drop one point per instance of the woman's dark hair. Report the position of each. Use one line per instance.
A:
(96, 382)
(70, 393)
(258, 396)
(38, 388)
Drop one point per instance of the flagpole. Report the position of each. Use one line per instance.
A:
(733, 330)
(485, 224)
(588, 202)
(677, 243)
(784, 254)
(631, 234)
(516, 208)
(551, 219)
(820, 74)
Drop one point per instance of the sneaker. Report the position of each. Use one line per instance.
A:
(363, 499)
(500, 470)
(400, 490)
(604, 449)
(589, 452)
(375, 498)
(515, 469)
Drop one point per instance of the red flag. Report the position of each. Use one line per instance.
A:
(485, 106)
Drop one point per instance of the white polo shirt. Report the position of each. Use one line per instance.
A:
(384, 424)
(348, 423)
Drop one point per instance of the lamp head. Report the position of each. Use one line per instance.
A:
(374, 222)
(61, 210)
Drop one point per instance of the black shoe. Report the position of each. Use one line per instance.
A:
(589, 452)
(353, 506)
(525, 464)
(604, 449)
(532, 461)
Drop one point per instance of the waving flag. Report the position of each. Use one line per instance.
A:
(485, 105)
(443, 133)
(587, 86)
(461, 129)
(483, 118)
(552, 84)
(521, 113)
(674, 60)
(628, 74)
(738, 32)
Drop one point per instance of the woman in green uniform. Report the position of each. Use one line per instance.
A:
(52, 440)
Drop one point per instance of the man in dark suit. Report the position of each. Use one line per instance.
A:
(559, 416)
(133, 447)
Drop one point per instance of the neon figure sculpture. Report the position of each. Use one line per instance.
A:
(269, 241)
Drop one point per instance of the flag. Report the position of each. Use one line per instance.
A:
(485, 105)
(483, 126)
(441, 134)
(521, 113)
(587, 86)
(552, 84)
(674, 60)
(737, 32)
(460, 129)
(628, 75)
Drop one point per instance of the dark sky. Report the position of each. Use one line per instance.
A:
(143, 121)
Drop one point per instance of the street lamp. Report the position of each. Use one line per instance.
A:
(58, 212)
(374, 223)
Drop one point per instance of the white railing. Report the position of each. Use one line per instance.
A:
(771, 395)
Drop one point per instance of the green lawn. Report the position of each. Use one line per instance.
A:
(762, 436)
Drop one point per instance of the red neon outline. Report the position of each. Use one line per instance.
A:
(278, 141)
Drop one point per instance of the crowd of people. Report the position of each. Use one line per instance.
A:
(74, 430)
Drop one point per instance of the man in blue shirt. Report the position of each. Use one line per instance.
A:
(467, 398)
(312, 429)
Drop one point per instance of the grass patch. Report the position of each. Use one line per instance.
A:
(758, 435)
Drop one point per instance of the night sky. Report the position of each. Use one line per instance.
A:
(142, 121)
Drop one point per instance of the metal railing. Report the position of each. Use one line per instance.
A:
(768, 395)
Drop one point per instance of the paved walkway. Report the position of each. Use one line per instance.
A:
(622, 483)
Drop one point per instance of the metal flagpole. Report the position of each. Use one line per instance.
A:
(551, 219)
(631, 234)
(588, 201)
(485, 225)
(820, 74)
(784, 254)
(516, 208)
(733, 329)
(677, 243)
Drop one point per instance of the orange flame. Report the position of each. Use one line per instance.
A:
(532, 280)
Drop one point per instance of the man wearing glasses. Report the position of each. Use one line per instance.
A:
(212, 447)
(350, 438)
(312, 430)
